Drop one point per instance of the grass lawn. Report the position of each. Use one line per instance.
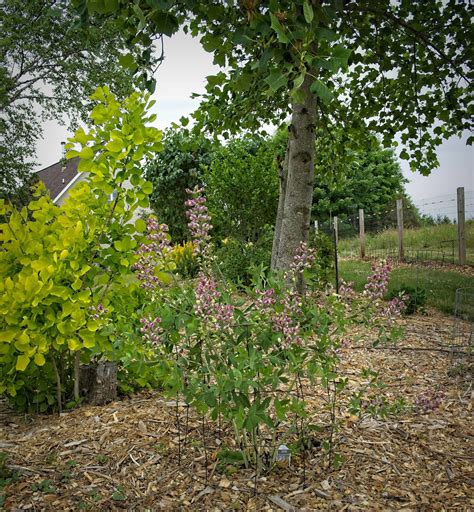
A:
(428, 242)
(440, 285)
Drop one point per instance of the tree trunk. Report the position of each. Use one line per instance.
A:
(99, 383)
(299, 186)
(283, 175)
(77, 375)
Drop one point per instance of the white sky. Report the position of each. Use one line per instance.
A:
(183, 72)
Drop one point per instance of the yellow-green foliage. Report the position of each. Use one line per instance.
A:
(59, 263)
(183, 256)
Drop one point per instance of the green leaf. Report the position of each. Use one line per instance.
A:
(322, 91)
(127, 61)
(276, 80)
(278, 28)
(72, 154)
(86, 153)
(22, 362)
(140, 225)
(87, 337)
(163, 276)
(147, 188)
(115, 146)
(8, 335)
(308, 12)
(325, 34)
(39, 359)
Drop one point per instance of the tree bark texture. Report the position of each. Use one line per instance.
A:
(299, 186)
(99, 383)
(283, 175)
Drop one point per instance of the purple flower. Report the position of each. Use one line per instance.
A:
(152, 253)
(304, 257)
(97, 312)
(377, 282)
(151, 330)
(213, 314)
(199, 220)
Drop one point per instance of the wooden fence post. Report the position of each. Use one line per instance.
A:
(362, 232)
(316, 227)
(461, 227)
(401, 251)
(336, 230)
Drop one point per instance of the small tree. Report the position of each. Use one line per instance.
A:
(62, 267)
(177, 168)
(242, 188)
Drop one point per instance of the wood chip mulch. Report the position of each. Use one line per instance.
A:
(124, 456)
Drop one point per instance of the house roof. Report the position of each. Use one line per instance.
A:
(57, 178)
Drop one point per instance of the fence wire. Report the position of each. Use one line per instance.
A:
(430, 231)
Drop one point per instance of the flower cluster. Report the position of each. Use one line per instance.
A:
(199, 220)
(395, 307)
(304, 257)
(213, 314)
(346, 290)
(429, 401)
(265, 301)
(152, 253)
(284, 321)
(97, 312)
(151, 330)
(377, 283)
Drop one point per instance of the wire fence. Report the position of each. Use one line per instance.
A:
(426, 230)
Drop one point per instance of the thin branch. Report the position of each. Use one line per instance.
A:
(418, 34)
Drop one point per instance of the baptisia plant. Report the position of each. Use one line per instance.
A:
(243, 359)
(240, 359)
(370, 307)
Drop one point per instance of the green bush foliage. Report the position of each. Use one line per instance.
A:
(242, 188)
(63, 268)
(179, 166)
(237, 260)
(414, 298)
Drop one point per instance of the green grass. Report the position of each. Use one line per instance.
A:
(440, 285)
(424, 242)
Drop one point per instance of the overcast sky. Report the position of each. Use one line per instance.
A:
(184, 71)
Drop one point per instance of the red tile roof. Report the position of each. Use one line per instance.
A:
(57, 178)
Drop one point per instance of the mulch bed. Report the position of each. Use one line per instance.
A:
(124, 456)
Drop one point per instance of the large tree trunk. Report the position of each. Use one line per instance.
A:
(299, 186)
(283, 175)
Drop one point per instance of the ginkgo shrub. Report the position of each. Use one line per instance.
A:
(65, 270)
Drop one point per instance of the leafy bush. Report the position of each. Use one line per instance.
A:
(324, 263)
(64, 270)
(237, 260)
(242, 359)
(414, 298)
(182, 255)
(242, 188)
(177, 168)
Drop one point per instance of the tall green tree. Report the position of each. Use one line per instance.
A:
(49, 66)
(372, 181)
(242, 187)
(388, 66)
(178, 167)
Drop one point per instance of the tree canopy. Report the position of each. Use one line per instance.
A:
(391, 67)
(49, 66)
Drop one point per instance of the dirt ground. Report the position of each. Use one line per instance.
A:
(130, 455)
